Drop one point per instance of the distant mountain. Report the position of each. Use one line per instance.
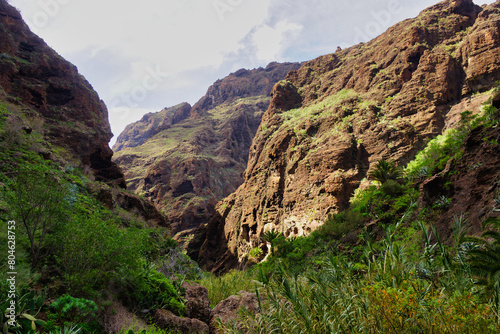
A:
(185, 159)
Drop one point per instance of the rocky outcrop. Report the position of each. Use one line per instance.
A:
(243, 83)
(228, 310)
(475, 184)
(46, 95)
(187, 159)
(35, 77)
(197, 302)
(138, 133)
(165, 319)
(332, 119)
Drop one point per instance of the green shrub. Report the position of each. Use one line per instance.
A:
(150, 289)
(255, 254)
(93, 251)
(342, 223)
(37, 200)
(175, 262)
(69, 309)
(392, 188)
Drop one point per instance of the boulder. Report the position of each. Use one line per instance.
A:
(165, 319)
(197, 302)
(228, 310)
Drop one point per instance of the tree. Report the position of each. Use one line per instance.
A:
(37, 201)
(484, 257)
(385, 171)
(272, 237)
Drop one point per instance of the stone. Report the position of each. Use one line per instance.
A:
(165, 319)
(228, 310)
(197, 302)
(380, 99)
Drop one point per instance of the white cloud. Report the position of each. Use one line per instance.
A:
(271, 42)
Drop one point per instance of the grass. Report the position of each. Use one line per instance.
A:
(385, 290)
(221, 287)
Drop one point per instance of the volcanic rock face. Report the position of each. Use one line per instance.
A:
(35, 76)
(49, 91)
(332, 119)
(185, 159)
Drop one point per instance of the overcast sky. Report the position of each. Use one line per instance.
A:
(142, 56)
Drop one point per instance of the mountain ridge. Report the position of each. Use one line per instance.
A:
(185, 159)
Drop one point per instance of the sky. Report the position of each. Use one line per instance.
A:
(143, 56)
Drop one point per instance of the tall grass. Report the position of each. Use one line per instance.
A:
(383, 293)
(221, 287)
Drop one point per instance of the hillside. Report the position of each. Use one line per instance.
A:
(70, 233)
(330, 121)
(185, 159)
(356, 193)
(43, 94)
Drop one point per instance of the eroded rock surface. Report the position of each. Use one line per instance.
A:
(336, 116)
(185, 159)
(32, 75)
(228, 310)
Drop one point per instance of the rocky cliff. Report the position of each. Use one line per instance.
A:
(185, 159)
(332, 119)
(75, 118)
(44, 93)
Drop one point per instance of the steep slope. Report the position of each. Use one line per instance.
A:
(331, 120)
(34, 74)
(41, 93)
(185, 159)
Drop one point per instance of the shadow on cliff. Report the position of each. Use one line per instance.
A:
(209, 247)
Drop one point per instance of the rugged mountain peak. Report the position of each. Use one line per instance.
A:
(337, 115)
(33, 74)
(187, 159)
(244, 83)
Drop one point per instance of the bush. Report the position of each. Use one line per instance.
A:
(340, 224)
(176, 262)
(38, 202)
(73, 310)
(150, 289)
(93, 251)
(392, 188)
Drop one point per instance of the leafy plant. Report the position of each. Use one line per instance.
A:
(38, 202)
(149, 289)
(384, 171)
(75, 310)
(71, 329)
(485, 257)
(255, 254)
(27, 307)
(271, 237)
(93, 250)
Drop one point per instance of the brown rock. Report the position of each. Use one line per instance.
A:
(197, 302)
(228, 310)
(187, 159)
(165, 319)
(36, 77)
(476, 185)
(376, 100)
